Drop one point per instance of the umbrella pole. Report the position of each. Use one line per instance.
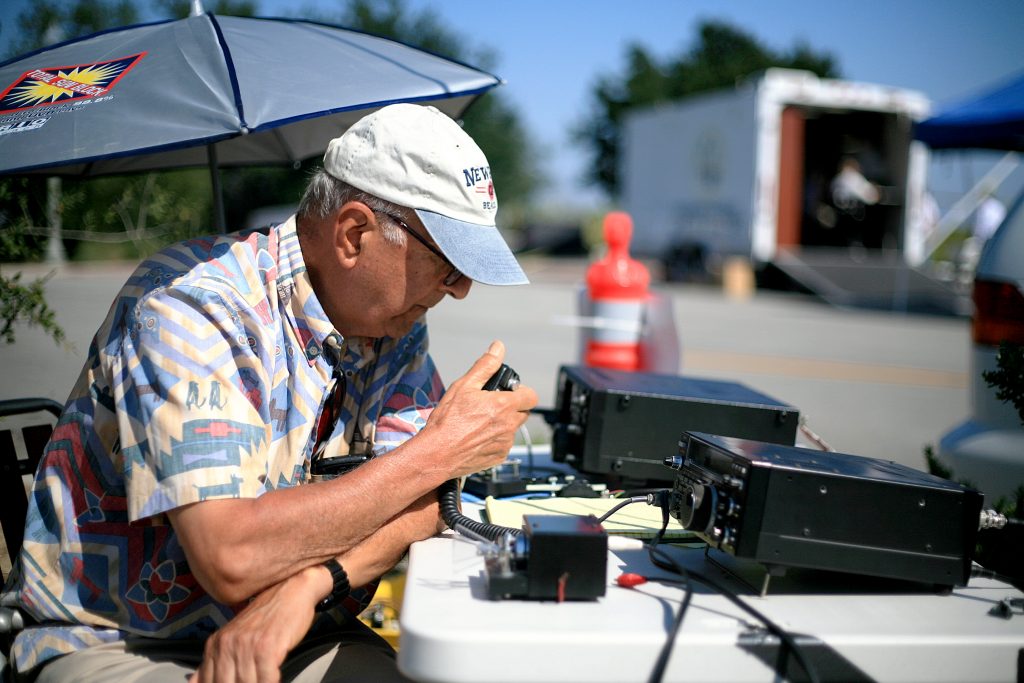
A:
(55, 245)
(218, 198)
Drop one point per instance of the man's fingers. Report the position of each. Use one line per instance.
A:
(223, 670)
(486, 365)
(525, 398)
(497, 348)
(522, 401)
(250, 666)
(265, 671)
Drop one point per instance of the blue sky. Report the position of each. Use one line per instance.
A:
(552, 52)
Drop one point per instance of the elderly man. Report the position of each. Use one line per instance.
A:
(259, 431)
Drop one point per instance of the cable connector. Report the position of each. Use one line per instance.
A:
(659, 498)
(990, 519)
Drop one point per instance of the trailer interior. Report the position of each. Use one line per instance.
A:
(815, 142)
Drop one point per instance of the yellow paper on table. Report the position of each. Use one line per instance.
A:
(638, 520)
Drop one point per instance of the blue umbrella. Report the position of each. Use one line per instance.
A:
(209, 90)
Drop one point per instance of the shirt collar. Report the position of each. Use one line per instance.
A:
(315, 332)
(311, 324)
(313, 329)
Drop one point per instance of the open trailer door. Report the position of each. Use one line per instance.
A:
(788, 231)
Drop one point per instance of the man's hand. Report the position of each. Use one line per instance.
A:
(253, 645)
(476, 428)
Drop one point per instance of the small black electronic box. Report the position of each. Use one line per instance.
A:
(557, 557)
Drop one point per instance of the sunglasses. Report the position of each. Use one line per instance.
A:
(454, 274)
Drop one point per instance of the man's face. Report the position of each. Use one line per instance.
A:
(403, 282)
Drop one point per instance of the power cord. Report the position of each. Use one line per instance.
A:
(628, 501)
(773, 628)
(663, 560)
(528, 442)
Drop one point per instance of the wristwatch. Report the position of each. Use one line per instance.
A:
(340, 589)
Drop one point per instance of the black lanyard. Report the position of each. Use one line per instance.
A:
(328, 468)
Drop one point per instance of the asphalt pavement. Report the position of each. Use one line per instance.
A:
(870, 383)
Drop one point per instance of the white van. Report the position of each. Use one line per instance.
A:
(987, 449)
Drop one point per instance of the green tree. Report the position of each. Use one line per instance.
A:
(1008, 377)
(722, 55)
(179, 9)
(25, 303)
(51, 21)
(492, 120)
(132, 216)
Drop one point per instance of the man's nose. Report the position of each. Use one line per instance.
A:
(460, 289)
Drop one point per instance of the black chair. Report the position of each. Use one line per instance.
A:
(25, 427)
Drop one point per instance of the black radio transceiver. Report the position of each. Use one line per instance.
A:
(624, 424)
(784, 506)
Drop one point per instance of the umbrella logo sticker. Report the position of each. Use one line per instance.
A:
(59, 84)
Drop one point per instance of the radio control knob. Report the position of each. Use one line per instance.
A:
(698, 507)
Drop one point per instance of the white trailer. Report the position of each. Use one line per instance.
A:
(746, 171)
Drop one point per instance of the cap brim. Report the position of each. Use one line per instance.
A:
(478, 251)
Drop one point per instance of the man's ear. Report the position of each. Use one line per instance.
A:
(352, 222)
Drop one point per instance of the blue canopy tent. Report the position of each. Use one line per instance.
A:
(991, 120)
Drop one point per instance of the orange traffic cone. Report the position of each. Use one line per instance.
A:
(618, 290)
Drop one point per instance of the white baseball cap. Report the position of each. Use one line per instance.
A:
(418, 157)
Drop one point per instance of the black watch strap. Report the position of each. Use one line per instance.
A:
(340, 589)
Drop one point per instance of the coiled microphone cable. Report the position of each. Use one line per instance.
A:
(505, 379)
(448, 496)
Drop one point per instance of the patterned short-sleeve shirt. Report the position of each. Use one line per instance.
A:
(205, 380)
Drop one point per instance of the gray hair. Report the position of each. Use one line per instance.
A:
(325, 194)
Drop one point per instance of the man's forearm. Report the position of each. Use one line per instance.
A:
(382, 550)
(262, 541)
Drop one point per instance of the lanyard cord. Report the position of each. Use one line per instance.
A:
(329, 415)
